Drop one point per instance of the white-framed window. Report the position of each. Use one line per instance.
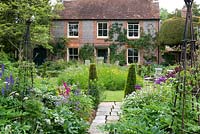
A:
(73, 29)
(73, 53)
(132, 55)
(133, 30)
(102, 30)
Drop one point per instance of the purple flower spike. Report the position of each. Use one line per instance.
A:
(7, 86)
(7, 80)
(2, 68)
(2, 91)
(11, 80)
(1, 75)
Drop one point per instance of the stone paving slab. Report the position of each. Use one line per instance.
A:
(104, 109)
(102, 113)
(114, 113)
(115, 109)
(112, 118)
(107, 112)
(106, 104)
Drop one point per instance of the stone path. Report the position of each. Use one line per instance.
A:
(107, 112)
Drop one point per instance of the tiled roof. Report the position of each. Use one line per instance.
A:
(110, 9)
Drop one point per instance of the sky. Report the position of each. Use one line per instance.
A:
(170, 5)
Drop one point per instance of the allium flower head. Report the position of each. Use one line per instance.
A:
(138, 87)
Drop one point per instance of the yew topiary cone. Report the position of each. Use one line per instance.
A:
(131, 80)
(92, 72)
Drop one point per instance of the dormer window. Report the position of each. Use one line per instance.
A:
(73, 29)
(133, 30)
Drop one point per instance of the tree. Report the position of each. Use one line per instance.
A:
(164, 14)
(196, 9)
(13, 17)
(171, 32)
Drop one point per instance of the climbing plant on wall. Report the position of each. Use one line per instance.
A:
(86, 52)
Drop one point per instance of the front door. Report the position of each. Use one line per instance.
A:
(103, 52)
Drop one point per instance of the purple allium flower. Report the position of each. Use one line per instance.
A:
(2, 91)
(162, 79)
(158, 82)
(138, 87)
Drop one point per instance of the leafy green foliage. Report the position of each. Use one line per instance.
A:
(145, 111)
(145, 41)
(41, 110)
(131, 80)
(59, 46)
(117, 55)
(196, 9)
(13, 17)
(164, 14)
(86, 52)
(171, 32)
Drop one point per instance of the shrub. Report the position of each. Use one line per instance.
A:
(86, 52)
(131, 80)
(92, 72)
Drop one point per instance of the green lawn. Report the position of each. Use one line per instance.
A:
(113, 95)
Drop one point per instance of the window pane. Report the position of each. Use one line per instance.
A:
(130, 59)
(100, 26)
(130, 52)
(136, 52)
(75, 51)
(104, 32)
(135, 59)
(130, 26)
(76, 33)
(135, 26)
(70, 51)
(136, 34)
(130, 33)
(100, 33)
(75, 57)
(104, 25)
(70, 33)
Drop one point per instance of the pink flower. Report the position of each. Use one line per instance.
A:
(67, 89)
